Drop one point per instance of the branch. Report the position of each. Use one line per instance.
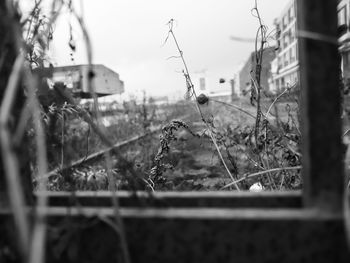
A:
(236, 107)
(277, 98)
(244, 177)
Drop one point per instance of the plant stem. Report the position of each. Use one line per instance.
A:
(10, 160)
(191, 86)
(276, 99)
(235, 107)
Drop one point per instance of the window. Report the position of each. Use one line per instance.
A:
(295, 77)
(292, 34)
(292, 54)
(291, 58)
(278, 36)
(291, 12)
(285, 40)
(280, 62)
(202, 84)
(277, 84)
(296, 51)
(286, 59)
(342, 16)
(285, 21)
(290, 38)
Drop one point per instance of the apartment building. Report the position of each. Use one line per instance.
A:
(344, 37)
(284, 68)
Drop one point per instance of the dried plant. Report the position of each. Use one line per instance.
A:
(156, 172)
(192, 93)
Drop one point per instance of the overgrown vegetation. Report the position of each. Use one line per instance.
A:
(259, 147)
(267, 147)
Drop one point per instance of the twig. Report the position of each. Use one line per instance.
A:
(256, 86)
(35, 8)
(22, 122)
(89, 58)
(10, 160)
(259, 57)
(277, 98)
(24, 117)
(51, 21)
(235, 107)
(244, 177)
(62, 139)
(37, 253)
(282, 181)
(190, 87)
(15, 191)
(11, 89)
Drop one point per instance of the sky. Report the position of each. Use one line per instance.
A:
(128, 37)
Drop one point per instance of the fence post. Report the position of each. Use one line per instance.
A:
(320, 104)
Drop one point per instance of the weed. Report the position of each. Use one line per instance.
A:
(155, 175)
(268, 146)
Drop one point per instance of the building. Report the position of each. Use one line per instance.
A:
(223, 91)
(103, 80)
(243, 77)
(201, 82)
(344, 37)
(218, 88)
(285, 67)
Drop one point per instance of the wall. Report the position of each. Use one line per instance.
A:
(244, 78)
(104, 81)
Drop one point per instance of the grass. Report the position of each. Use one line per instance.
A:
(192, 163)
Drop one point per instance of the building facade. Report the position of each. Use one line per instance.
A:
(344, 37)
(243, 77)
(285, 67)
(103, 80)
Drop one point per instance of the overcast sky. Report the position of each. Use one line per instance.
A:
(127, 36)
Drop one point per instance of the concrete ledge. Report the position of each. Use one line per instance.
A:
(220, 199)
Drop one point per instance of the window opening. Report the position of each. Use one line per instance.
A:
(216, 133)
